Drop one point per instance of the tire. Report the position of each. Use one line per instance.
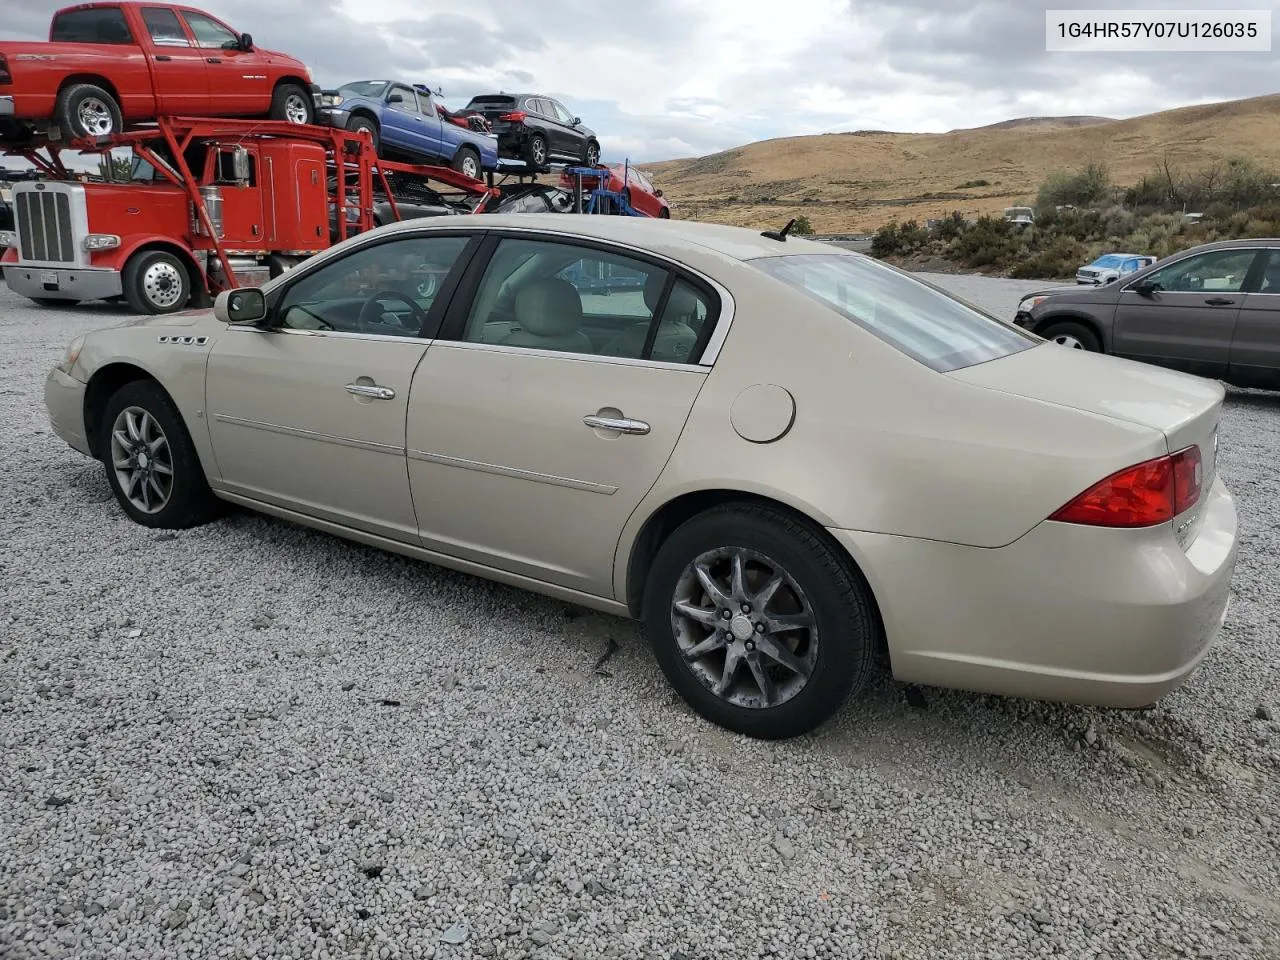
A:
(664, 214)
(467, 162)
(838, 650)
(85, 110)
(185, 500)
(356, 124)
(591, 156)
(292, 104)
(156, 282)
(52, 303)
(1071, 334)
(535, 151)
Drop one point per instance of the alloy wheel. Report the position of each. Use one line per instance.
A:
(295, 109)
(163, 284)
(744, 627)
(95, 117)
(142, 460)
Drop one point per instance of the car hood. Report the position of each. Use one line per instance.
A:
(184, 318)
(1183, 407)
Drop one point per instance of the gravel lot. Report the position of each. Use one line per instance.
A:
(251, 740)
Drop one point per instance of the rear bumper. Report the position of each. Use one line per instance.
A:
(58, 283)
(1114, 618)
(64, 399)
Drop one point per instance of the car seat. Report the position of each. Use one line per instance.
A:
(549, 316)
(675, 338)
(1271, 278)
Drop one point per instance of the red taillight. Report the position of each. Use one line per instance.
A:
(517, 117)
(5, 76)
(1139, 496)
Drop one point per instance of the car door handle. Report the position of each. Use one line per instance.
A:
(161, 58)
(373, 391)
(212, 60)
(1219, 302)
(621, 424)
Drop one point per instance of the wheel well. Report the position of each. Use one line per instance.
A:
(199, 289)
(97, 81)
(672, 514)
(1087, 322)
(101, 388)
(292, 81)
(367, 115)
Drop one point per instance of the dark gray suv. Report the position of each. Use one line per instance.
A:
(1213, 310)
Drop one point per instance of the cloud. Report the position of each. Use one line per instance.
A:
(667, 78)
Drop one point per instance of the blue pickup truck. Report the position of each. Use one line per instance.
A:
(407, 124)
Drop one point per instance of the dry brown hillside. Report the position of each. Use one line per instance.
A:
(859, 181)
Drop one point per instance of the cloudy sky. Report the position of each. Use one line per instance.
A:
(676, 78)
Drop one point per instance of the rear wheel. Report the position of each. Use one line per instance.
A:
(356, 124)
(1070, 334)
(292, 104)
(467, 162)
(758, 621)
(151, 463)
(85, 110)
(156, 282)
(535, 150)
(592, 155)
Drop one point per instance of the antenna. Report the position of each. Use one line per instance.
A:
(780, 234)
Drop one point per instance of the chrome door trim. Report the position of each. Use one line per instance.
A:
(310, 435)
(336, 334)
(620, 424)
(586, 486)
(371, 390)
(693, 368)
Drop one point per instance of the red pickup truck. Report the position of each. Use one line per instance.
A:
(107, 65)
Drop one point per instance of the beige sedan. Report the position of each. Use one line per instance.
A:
(786, 460)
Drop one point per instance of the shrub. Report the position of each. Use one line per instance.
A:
(1089, 186)
(970, 184)
(802, 227)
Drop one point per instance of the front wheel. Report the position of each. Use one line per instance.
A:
(467, 162)
(151, 463)
(758, 621)
(292, 104)
(1075, 336)
(357, 124)
(156, 282)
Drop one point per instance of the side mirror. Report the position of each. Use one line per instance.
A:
(1143, 288)
(240, 307)
(246, 42)
(657, 193)
(577, 121)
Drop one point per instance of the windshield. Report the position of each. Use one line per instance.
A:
(925, 323)
(364, 88)
(1108, 260)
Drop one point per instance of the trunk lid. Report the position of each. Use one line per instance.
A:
(491, 107)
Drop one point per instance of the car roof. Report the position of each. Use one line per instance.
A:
(739, 243)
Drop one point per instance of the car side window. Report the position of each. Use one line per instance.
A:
(95, 25)
(1221, 271)
(1270, 282)
(402, 100)
(567, 298)
(164, 27)
(561, 114)
(385, 289)
(209, 32)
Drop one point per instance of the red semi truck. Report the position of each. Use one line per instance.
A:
(107, 66)
(215, 204)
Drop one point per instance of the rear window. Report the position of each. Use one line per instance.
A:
(96, 25)
(925, 323)
(479, 103)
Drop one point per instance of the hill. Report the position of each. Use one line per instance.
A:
(856, 182)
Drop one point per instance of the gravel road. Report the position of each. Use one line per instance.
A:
(252, 740)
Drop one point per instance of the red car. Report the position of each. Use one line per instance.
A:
(632, 184)
(107, 65)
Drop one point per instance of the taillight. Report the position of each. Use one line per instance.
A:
(516, 117)
(1139, 496)
(5, 76)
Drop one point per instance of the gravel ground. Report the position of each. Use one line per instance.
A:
(252, 740)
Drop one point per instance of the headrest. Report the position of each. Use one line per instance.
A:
(653, 290)
(549, 308)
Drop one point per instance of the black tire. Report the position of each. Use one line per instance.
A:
(847, 627)
(156, 282)
(292, 104)
(189, 501)
(356, 124)
(1076, 335)
(85, 110)
(467, 161)
(535, 151)
(51, 302)
(664, 214)
(591, 156)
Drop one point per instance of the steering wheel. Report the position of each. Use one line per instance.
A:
(365, 319)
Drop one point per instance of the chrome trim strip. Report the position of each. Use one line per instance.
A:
(310, 435)
(693, 368)
(335, 334)
(584, 485)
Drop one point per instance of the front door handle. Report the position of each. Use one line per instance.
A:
(212, 60)
(1219, 302)
(373, 391)
(620, 424)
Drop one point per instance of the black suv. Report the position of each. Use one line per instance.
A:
(536, 129)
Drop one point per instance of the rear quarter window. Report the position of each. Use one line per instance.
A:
(925, 323)
(96, 25)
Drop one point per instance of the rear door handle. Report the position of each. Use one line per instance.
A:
(1219, 302)
(373, 391)
(161, 58)
(620, 424)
